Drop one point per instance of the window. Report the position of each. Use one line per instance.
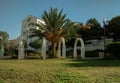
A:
(31, 24)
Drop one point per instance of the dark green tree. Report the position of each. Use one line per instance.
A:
(70, 29)
(95, 28)
(70, 32)
(35, 44)
(114, 28)
(5, 37)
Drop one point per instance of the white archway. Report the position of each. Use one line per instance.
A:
(21, 48)
(82, 48)
(43, 52)
(62, 41)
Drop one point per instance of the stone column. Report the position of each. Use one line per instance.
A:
(21, 49)
(2, 48)
(43, 52)
(62, 40)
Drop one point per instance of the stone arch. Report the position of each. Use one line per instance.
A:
(44, 46)
(82, 48)
(62, 41)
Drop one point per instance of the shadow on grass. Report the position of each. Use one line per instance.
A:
(93, 63)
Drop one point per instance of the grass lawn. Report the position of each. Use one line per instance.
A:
(59, 71)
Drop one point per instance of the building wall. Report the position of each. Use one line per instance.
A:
(97, 44)
(30, 22)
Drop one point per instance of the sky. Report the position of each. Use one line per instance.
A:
(12, 12)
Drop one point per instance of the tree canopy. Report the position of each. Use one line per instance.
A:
(95, 28)
(70, 29)
(35, 44)
(114, 27)
(5, 37)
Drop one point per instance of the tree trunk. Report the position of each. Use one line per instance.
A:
(53, 50)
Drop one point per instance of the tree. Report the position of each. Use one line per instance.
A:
(4, 41)
(54, 23)
(5, 37)
(35, 44)
(70, 29)
(95, 28)
(70, 32)
(114, 27)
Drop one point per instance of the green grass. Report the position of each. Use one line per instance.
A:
(59, 71)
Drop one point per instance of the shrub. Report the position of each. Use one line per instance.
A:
(114, 49)
(91, 54)
(109, 57)
(69, 53)
(32, 54)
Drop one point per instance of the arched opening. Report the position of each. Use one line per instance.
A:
(82, 48)
(62, 41)
(21, 48)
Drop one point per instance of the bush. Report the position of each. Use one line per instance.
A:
(109, 57)
(32, 54)
(91, 54)
(69, 53)
(114, 49)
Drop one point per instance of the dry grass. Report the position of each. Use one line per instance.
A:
(59, 71)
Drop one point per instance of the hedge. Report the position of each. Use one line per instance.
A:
(114, 49)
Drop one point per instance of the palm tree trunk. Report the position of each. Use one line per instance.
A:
(53, 50)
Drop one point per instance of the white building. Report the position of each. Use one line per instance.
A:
(30, 22)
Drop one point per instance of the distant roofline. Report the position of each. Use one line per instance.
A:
(41, 20)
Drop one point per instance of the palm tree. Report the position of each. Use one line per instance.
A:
(70, 29)
(54, 23)
(70, 32)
